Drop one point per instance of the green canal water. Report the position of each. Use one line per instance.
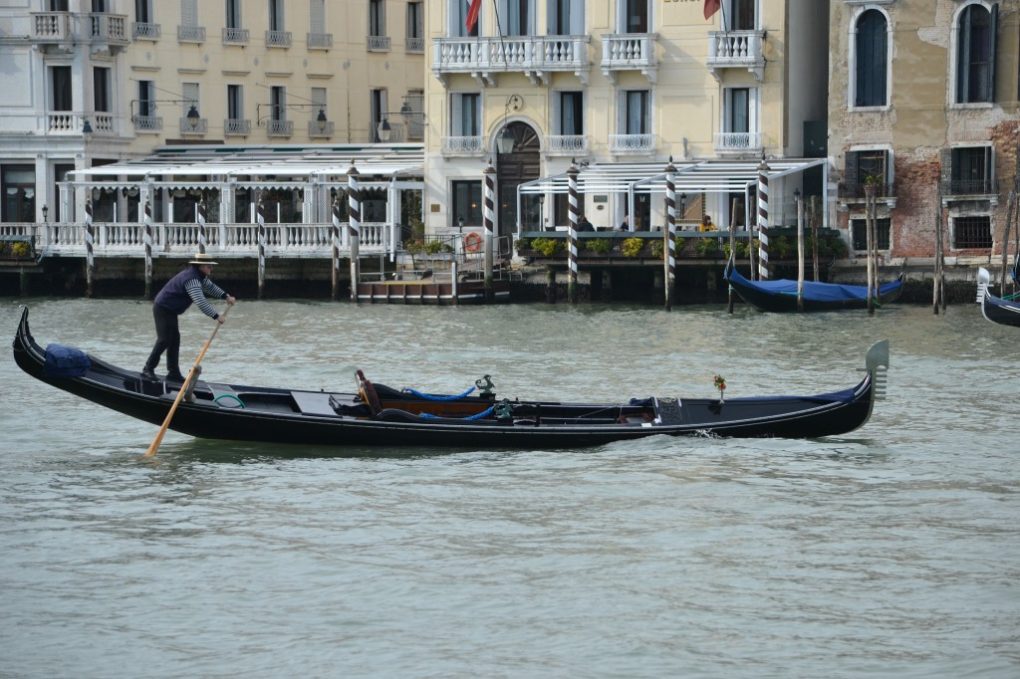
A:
(891, 551)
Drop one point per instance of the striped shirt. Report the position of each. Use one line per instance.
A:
(197, 289)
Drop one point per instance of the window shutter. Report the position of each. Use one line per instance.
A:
(989, 168)
(994, 48)
(318, 16)
(189, 12)
(851, 171)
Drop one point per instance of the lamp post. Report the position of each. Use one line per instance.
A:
(320, 121)
(45, 214)
(194, 118)
(384, 130)
(505, 141)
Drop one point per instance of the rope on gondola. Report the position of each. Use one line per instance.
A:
(436, 397)
(238, 402)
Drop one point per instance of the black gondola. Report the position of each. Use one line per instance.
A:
(379, 415)
(996, 309)
(781, 294)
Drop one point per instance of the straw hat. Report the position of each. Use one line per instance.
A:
(202, 258)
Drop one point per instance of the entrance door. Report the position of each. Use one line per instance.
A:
(512, 169)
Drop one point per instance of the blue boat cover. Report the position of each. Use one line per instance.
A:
(64, 361)
(814, 290)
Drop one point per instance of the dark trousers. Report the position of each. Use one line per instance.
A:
(168, 339)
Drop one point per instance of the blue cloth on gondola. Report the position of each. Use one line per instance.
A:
(476, 416)
(815, 291)
(436, 397)
(64, 361)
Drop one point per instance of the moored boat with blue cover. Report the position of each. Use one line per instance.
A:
(1001, 310)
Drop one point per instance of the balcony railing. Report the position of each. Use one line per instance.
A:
(737, 141)
(51, 26)
(190, 34)
(858, 190)
(147, 123)
(567, 144)
(71, 123)
(201, 126)
(103, 124)
(145, 31)
(319, 41)
(236, 127)
(629, 52)
(631, 143)
(970, 187)
(108, 28)
(532, 55)
(463, 146)
(235, 36)
(317, 129)
(279, 128)
(414, 45)
(737, 49)
(378, 43)
(278, 39)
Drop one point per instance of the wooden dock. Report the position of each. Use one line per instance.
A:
(431, 291)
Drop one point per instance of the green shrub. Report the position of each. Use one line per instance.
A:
(434, 247)
(547, 247)
(600, 246)
(655, 248)
(20, 250)
(415, 247)
(707, 247)
(631, 247)
(522, 244)
(679, 241)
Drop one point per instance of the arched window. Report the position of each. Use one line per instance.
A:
(975, 54)
(872, 52)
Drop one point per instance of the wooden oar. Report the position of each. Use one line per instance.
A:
(154, 446)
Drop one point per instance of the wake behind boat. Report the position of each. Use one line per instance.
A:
(1001, 310)
(781, 294)
(376, 415)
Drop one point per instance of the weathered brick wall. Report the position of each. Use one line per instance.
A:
(914, 219)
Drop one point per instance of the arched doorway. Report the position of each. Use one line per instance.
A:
(521, 165)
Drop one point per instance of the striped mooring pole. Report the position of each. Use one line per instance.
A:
(260, 235)
(335, 278)
(572, 234)
(354, 210)
(669, 251)
(763, 220)
(148, 239)
(200, 214)
(90, 243)
(488, 217)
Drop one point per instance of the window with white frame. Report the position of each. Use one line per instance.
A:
(742, 15)
(465, 114)
(635, 16)
(466, 203)
(571, 113)
(278, 103)
(60, 94)
(378, 100)
(976, 29)
(319, 101)
(276, 15)
(146, 98)
(189, 92)
(972, 231)
(101, 95)
(871, 54)
(233, 14)
(971, 170)
(517, 17)
(143, 11)
(740, 119)
(235, 102)
(415, 20)
(566, 17)
(376, 18)
(636, 112)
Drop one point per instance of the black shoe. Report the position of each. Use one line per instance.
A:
(148, 374)
(175, 377)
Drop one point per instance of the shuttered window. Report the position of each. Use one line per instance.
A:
(872, 58)
(975, 54)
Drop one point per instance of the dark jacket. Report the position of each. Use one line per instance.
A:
(174, 296)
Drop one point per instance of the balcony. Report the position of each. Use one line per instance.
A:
(533, 56)
(463, 146)
(279, 128)
(736, 49)
(236, 127)
(631, 144)
(68, 123)
(854, 193)
(145, 31)
(629, 52)
(191, 34)
(567, 144)
(279, 39)
(738, 142)
(235, 36)
(200, 126)
(319, 41)
(378, 43)
(63, 29)
(957, 190)
(147, 123)
(318, 129)
(414, 45)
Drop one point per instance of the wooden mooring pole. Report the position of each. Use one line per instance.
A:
(869, 221)
(800, 249)
(814, 218)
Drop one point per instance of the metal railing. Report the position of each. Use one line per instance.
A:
(631, 143)
(317, 129)
(737, 141)
(191, 34)
(236, 127)
(414, 45)
(201, 126)
(235, 36)
(468, 146)
(278, 39)
(378, 43)
(279, 128)
(567, 144)
(970, 187)
(147, 123)
(319, 41)
(972, 232)
(141, 30)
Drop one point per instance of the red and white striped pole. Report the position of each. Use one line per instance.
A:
(572, 233)
(669, 276)
(763, 220)
(488, 218)
(354, 222)
(90, 242)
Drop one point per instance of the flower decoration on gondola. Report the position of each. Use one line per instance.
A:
(720, 383)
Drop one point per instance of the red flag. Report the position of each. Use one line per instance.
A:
(472, 15)
(711, 7)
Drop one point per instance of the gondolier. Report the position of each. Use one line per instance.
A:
(192, 285)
